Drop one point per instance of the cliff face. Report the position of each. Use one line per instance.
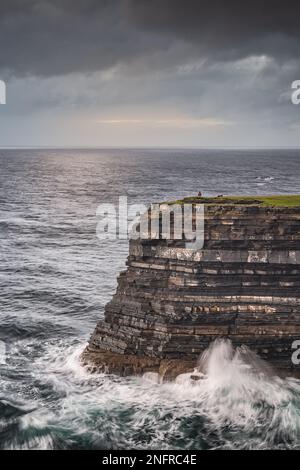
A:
(171, 303)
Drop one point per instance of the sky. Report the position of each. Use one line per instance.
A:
(174, 73)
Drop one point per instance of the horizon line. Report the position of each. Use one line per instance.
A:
(145, 147)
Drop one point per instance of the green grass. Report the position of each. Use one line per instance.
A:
(265, 201)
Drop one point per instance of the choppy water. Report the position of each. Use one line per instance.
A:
(56, 276)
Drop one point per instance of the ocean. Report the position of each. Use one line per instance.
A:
(56, 277)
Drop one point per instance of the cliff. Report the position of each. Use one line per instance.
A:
(171, 303)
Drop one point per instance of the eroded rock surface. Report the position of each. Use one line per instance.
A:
(171, 303)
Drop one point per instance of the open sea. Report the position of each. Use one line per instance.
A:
(56, 277)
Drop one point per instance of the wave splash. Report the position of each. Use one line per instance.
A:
(245, 401)
(233, 400)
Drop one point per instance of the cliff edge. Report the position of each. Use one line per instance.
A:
(244, 285)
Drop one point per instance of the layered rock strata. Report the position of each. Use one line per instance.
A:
(171, 302)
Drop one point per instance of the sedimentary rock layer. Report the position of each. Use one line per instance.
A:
(171, 303)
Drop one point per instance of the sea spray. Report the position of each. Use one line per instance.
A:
(230, 401)
(242, 396)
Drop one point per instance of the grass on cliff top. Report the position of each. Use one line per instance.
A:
(264, 201)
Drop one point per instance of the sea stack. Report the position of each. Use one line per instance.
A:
(172, 302)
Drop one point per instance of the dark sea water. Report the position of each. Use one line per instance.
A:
(56, 277)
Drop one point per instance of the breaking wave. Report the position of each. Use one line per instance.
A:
(232, 400)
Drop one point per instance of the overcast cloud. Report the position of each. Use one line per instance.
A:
(159, 72)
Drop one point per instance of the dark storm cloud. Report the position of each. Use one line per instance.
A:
(53, 37)
(231, 28)
(230, 19)
(76, 68)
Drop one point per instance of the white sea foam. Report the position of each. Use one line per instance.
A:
(232, 394)
(232, 400)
